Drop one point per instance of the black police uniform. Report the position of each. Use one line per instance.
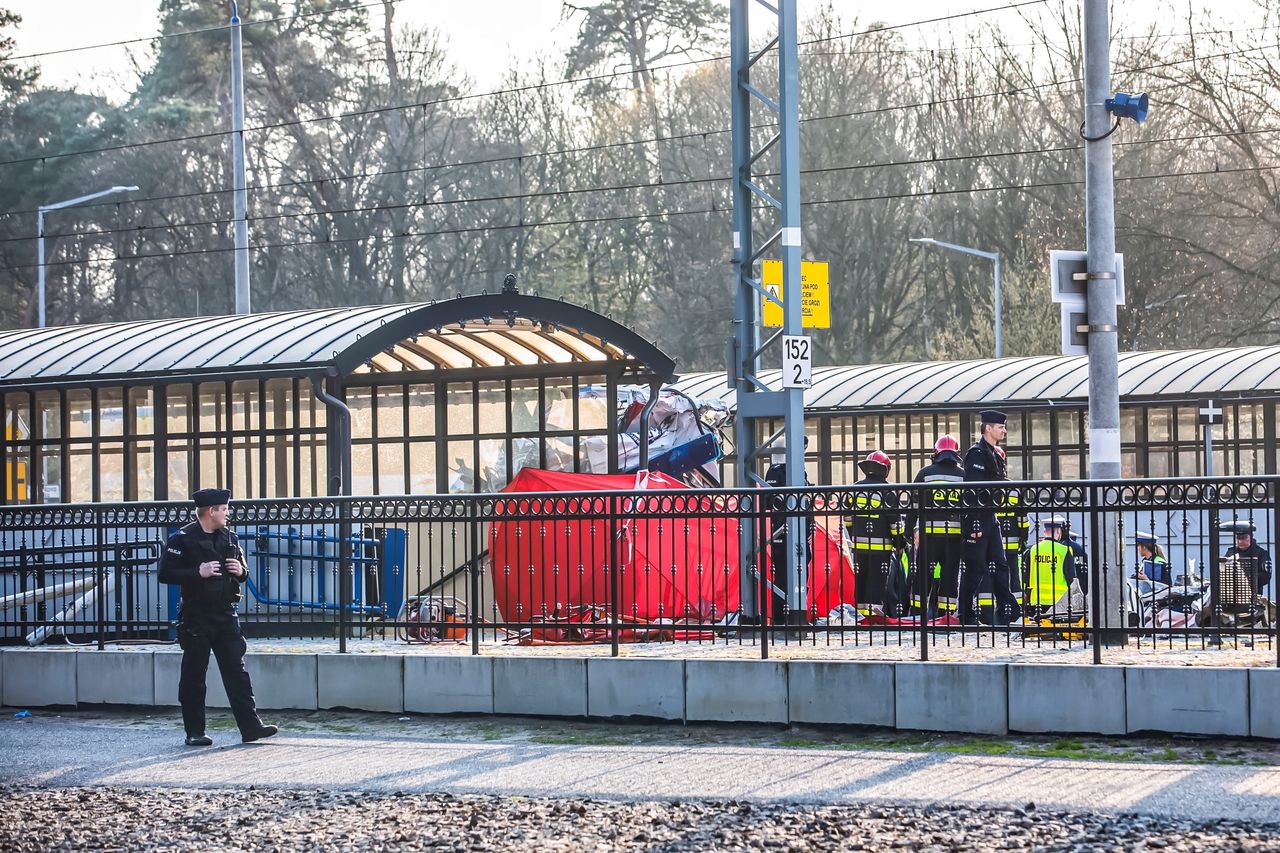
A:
(1256, 563)
(941, 531)
(777, 476)
(984, 556)
(207, 622)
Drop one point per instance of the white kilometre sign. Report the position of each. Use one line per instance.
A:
(797, 361)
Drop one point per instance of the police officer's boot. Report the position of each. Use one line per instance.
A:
(263, 731)
(199, 740)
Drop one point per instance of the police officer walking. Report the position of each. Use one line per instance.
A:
(984, 553)
(937, 532)
(206, 560)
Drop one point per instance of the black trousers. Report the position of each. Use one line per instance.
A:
(202, 632)
(945, 552)
(984, 560)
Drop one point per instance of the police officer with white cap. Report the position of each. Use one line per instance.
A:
(206, 560)
(1254, 559)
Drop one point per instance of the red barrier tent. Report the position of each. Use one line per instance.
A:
(678, 559)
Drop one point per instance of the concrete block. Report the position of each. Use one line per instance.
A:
(1203, 700)
(1264, 702)
(115, 677)
(168, 669)
(448, 685)
(281, 680)
(550, 686)
(952, 697)
(848, 692)
(363, 682)
(33, 678)
(1053, 698)
(736, 690)
(630, 687)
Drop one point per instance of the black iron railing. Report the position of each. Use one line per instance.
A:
(889, 571)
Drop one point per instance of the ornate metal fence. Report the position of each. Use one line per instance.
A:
(890, 570)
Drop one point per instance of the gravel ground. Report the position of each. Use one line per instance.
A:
(122, 818)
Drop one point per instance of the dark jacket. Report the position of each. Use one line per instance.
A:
(180, 564)
(1256, 563)
(945, 469)
(875, 523)
(982, 465)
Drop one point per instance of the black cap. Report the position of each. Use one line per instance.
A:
(991, 416)
(212, 497)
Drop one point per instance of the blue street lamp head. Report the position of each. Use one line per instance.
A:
(1124, 105)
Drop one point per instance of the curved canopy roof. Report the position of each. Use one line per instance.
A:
(1034, 380)
(489, 330)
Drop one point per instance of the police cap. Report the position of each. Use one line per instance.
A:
(991, 416)
(1239, 526)
(211, 497)
(1057, 521)
(1142, 538)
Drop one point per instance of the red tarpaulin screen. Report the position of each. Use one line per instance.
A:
(677, 559)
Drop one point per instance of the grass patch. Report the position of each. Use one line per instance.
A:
(220, 725)
(979, 747)
(578, 740)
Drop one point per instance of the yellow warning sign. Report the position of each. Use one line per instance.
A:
(814, 294)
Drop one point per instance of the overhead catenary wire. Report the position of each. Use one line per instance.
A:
(675, 137)
(817, 170)
(385, 237)
(201, 31)
(513, 90)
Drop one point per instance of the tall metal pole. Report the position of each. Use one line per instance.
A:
(756, 401)
(994, 257)
(746, 313)
(999, 346)
(1100, 228)
(40, 266)
(239, 195)
(40, 212)
(1100, 239)
(792, 307)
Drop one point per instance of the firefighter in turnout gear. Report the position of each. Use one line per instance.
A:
(984, 554)
(876, 532)
(1051, 567)
(937, 532)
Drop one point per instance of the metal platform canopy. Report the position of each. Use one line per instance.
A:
(768, 173)
(903, 408)
(422, 398)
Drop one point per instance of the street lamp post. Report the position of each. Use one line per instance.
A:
(994, 257)
(40, 211)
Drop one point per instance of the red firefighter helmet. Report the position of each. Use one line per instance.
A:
(945, 443)
(876, 460)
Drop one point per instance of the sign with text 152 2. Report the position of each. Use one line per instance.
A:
(797, 361)
(815, 299)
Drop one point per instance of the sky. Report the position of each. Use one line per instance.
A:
(484, 36)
